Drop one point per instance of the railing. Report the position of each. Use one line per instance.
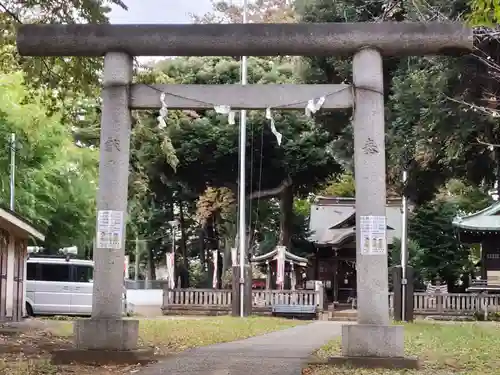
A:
(451, 303)
(267, 298)
(197, 297)
(143, 284)
(423, 303)
(223, 297)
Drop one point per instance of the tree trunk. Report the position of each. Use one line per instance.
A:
(212, 244)
(226, 262)
(185, 261)
(286, 217)
(201, 239)
(151, 262)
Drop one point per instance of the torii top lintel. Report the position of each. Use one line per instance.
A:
(302, 39)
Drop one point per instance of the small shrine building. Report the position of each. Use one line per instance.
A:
(294, 272)
(483, 228)
(333, 235)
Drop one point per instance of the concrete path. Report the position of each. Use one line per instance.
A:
(281, 353)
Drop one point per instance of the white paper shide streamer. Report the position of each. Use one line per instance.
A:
(163, 112)
(226, 110)
(276, 133)
(312, 107)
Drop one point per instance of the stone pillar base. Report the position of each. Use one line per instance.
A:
(106, 334)
(367, 340)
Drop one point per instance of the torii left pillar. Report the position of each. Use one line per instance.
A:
(106, 330)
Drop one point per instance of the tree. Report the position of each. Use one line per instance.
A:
(259, 11)
(468, 198)
(339, 187)
(55, 179)
(441, 110)
(64, 74)
(440, 253)
(209, 143)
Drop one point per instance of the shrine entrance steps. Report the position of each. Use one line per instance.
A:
(340, 313)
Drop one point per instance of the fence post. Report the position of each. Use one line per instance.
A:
(409, 295)
(166, 296)
(397, 273)
(320, 295)
(439, 301)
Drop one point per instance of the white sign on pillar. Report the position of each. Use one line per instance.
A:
(373, 235)
(110, 229)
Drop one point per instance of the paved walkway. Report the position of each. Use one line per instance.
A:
(281, 353)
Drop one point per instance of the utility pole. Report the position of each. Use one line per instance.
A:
(12, 169)
(242, 193)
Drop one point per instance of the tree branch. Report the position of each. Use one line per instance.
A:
(271, 192)
(490, 145)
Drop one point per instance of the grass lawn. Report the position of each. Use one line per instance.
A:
(29, 353)
(443, 349)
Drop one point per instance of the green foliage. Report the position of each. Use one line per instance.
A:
(197, 276)
(484, 13)
(439, 252)
(413, 252)
(340, 187)
(55, 179)
(468, 198)
(206, 147)
(68, 74)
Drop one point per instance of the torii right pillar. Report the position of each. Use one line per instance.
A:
(373, 336)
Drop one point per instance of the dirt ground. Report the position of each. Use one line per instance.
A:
(25, 348)
(26, 351)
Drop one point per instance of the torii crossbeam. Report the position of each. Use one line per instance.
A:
(367, 42)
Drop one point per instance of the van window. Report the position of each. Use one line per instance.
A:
(31, 271)
(55, 272)
(84, 274)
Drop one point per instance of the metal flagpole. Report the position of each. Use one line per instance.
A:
(404, 247)
(12, 169)
(242, 194)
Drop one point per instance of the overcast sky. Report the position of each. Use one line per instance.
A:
(159, 11)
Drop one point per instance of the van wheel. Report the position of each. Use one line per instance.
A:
(29, 309)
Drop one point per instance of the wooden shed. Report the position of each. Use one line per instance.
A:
(14, 234)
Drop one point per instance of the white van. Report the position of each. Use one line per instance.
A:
(60, 286)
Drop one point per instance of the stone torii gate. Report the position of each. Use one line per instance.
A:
(367, 42)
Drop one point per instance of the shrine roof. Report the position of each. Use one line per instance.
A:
(484, 220)
(272, 255)
(333, 220)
